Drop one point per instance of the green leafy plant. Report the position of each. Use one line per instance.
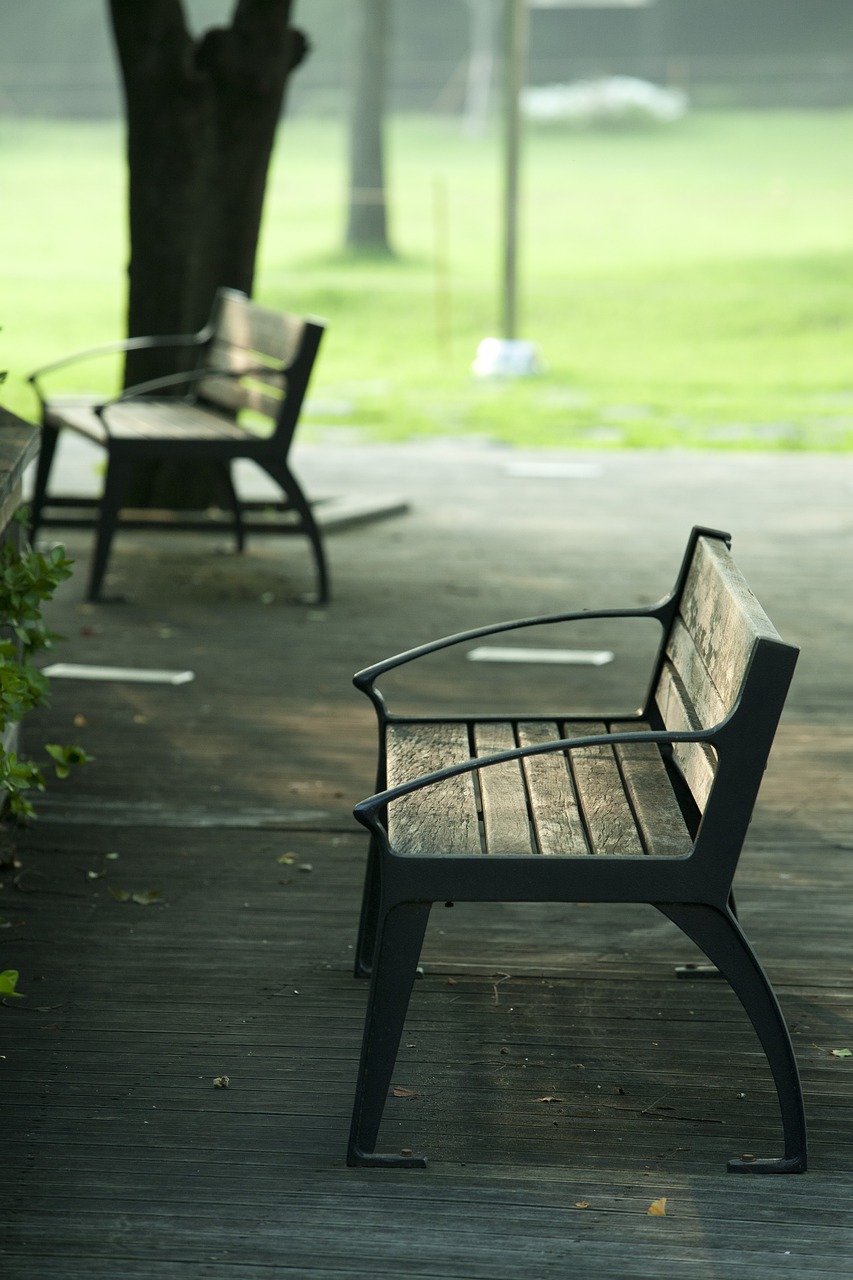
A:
(27, 580)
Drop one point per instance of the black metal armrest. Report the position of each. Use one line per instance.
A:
(365, 680)
(186, 378)
(121, 344)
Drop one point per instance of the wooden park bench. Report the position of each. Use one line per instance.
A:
(651, 807)
(246, 359)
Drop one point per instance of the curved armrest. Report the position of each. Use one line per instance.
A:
(186, 378)
(365, 679)
(366, 810)
(122, 344)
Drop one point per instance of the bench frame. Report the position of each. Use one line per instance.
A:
(694, 891)
(244, 357)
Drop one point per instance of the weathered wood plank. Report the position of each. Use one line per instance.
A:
(506, 820)
(162, 419)
(554, 804)
(441, 819)
(695, 760)
(258, 329)
(723, 616)
(606, 811)
(698, 686)
(659, 818)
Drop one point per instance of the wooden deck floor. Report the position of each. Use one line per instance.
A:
(558, 1075)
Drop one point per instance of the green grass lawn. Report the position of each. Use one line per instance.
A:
(690, 286)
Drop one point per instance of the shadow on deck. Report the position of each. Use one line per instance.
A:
(555, 1071)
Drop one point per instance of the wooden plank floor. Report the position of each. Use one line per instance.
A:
(230, 797)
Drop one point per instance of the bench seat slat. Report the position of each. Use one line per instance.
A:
(606, 801)
(442, 819)
(553, 802)
(659, 816)
(144, 419)
(607, 813)
(506, 820)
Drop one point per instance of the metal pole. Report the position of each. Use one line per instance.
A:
(516, 74)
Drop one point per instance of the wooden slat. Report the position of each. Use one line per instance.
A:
(245, 325)
(723, 616)
(661, 822)
(553, 803)
(142, 419)
(441, 819)
(686, 659)
(249, 337)
(695, 760)
(165, 420)
(505, 817)
(608, 815)
(78, 415)
(234, 394)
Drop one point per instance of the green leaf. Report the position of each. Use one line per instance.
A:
(148, 898)
(8, 982)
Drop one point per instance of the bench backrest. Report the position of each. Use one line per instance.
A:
(266, 358)
(719, 639)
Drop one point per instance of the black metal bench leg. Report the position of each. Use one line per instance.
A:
(719, 935)
(236, 507)
(115, 485)
(284, 477)
(366, 942)
(47, 448)
(398, 948)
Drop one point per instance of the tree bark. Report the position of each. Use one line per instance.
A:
(367, 226)
(201, 123)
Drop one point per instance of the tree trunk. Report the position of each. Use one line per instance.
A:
(201, 122)
(367, 226)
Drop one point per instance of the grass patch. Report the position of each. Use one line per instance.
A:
(689, 286)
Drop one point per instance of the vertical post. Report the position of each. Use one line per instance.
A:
(515, 76)
(442, 268)
(367, 224)
(482, 22)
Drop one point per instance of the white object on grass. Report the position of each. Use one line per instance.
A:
(507, 358)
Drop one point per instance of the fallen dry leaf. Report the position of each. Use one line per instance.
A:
(657, 1208)
(581, 1204)
(147, 898)
(549, 1097)
(399, 1092)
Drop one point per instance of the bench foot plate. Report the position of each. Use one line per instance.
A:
(384, 1160)
(691, 972)
(784, 1164)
